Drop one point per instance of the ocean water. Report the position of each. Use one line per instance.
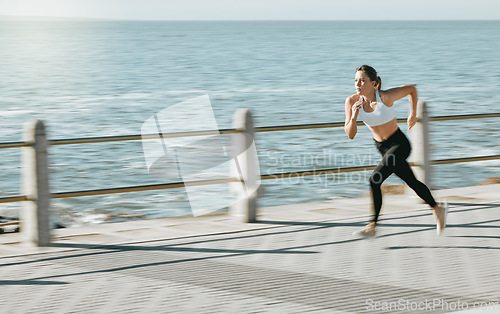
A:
(102, 78)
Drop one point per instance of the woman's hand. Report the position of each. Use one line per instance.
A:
(412, 120)
(355, 108)
(351, 116)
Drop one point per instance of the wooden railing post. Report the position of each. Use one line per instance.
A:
(244, 167)
(421, 145)
(35, 224)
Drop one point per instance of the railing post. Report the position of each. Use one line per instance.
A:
(421, 146)
(35, 224)
(244, 167)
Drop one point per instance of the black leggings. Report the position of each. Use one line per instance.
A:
(394, 152)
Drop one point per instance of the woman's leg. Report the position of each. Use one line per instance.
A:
(384, 169)
(394, 155)
(403, 170)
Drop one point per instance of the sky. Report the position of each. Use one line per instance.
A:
(257, 9)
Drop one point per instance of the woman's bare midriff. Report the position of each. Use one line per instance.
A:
(384, 131)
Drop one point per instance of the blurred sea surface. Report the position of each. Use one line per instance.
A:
(90, 78)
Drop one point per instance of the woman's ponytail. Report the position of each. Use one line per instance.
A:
(379, 83)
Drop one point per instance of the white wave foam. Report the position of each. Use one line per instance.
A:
(136, 95)
(277, 90)
(10, 113)
(253, 90)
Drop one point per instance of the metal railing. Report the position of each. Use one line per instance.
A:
(420, 160)
(86, 140)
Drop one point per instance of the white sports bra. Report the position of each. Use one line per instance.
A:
(381, 115)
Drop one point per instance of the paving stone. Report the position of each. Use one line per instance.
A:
(285, 263)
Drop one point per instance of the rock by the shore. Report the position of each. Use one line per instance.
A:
(491, 180)
(389, 189)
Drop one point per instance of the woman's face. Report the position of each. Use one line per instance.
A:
(363, 83)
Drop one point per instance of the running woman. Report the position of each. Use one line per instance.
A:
(375, 107)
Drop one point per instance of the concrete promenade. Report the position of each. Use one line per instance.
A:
(296, 259)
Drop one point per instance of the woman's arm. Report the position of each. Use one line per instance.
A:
(351, 116)
(393, 94)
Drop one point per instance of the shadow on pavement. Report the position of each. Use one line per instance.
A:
(28, 282)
